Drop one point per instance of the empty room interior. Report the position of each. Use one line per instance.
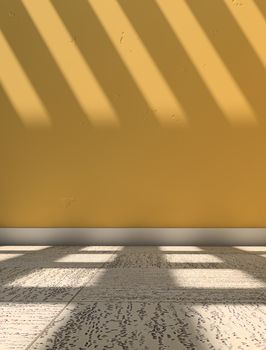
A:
(132, 174)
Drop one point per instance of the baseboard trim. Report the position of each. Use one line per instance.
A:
(133, 236)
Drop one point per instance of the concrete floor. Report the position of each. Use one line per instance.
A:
(103, 297)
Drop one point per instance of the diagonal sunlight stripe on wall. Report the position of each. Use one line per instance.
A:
(208, 63)
(65, 52)
(139, 62)
(20, 90)
(252, 24)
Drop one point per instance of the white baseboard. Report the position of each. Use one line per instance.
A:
(133, 236)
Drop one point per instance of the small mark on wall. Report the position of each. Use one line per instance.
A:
(116, 96)
(73, 39)
(237, 3)
(68, 201)
(122, 37)
(214, 31)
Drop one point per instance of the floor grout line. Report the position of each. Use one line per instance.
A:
(68, 303)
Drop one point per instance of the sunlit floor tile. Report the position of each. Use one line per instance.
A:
(220, 279)
(222, 326)
(23, 248)
(180, 248)
(5, 257)
(192, 258)
(45, 285)
(252, 249)
(101, 248)
(21, 324)
(86, 258)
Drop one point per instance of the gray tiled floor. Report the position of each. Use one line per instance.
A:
(132, 298)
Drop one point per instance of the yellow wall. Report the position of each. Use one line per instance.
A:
(133, 113)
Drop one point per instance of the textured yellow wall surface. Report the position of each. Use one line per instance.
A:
(133, 113)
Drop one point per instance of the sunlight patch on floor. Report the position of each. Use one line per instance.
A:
(252, 249)
(213, 278)
(23, 247)
(181, 248)
(192, 258)
(4, 257)
(101, 248)
(86, 258)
